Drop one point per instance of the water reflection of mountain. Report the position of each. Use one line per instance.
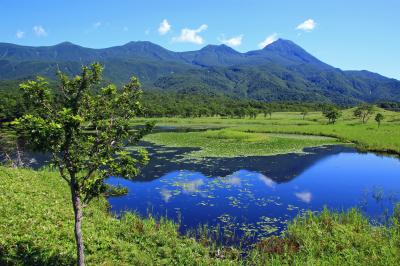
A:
(36, 160)
(280, 168)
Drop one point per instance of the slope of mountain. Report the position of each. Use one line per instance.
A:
(282, 71)
(285, 53)
(214, 55)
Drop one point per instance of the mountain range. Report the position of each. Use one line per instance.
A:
(282, 71)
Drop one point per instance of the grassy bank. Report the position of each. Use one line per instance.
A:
(366, 136)
(332, 239)
(36, 229)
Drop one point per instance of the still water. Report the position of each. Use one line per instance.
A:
(254, 197)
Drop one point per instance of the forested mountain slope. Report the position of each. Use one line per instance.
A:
(282, 71)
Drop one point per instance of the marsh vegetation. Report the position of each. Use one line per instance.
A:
(241, 134)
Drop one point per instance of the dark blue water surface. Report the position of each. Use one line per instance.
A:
(257, 196)
(253, 197)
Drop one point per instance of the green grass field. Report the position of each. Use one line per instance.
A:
(36, 228)
(244, 137)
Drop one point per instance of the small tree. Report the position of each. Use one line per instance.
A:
(378, 118)
(267, 111)
(86, 130)
(364, 112)
(252, 113)
(239, 112)
(304, 113)
(332, 114)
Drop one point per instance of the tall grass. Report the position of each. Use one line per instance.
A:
(330, 238)
(36, 228)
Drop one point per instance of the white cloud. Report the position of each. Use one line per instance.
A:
(234, 41)
(192, 186)
(20, 34)
(233, 180)
(164, 28)
(39, 31)
(307, 25)
(191, 35)
(270, 39)
(304, 196)
(97, 24)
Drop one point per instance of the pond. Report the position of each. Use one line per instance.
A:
(247, 198)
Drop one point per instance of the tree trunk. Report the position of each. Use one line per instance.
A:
(78, 214)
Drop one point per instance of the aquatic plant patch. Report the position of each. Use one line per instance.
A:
(234, 143)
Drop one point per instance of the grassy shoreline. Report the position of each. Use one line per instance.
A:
(366, 137)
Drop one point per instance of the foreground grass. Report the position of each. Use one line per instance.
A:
(36, 229)
(347, 129)
(332, 239)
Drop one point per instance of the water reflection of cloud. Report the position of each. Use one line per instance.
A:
(304, 196)
(233, 180)
(266, 180)
(192, 186)
(166, 195)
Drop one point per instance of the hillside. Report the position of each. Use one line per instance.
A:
(282, 71)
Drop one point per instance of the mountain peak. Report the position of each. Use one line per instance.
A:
(282, 45)
(135, 49)
(219, 49)
(143, 44)
(138, 43)
(288, 50)
(213, 55)
(66, 44)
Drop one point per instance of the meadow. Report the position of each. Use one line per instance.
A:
(247, 137)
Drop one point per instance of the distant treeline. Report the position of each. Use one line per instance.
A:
(158, 103)
(391, 106)
(192, 103)
(196, 102)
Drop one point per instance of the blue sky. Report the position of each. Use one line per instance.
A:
(352, 34)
